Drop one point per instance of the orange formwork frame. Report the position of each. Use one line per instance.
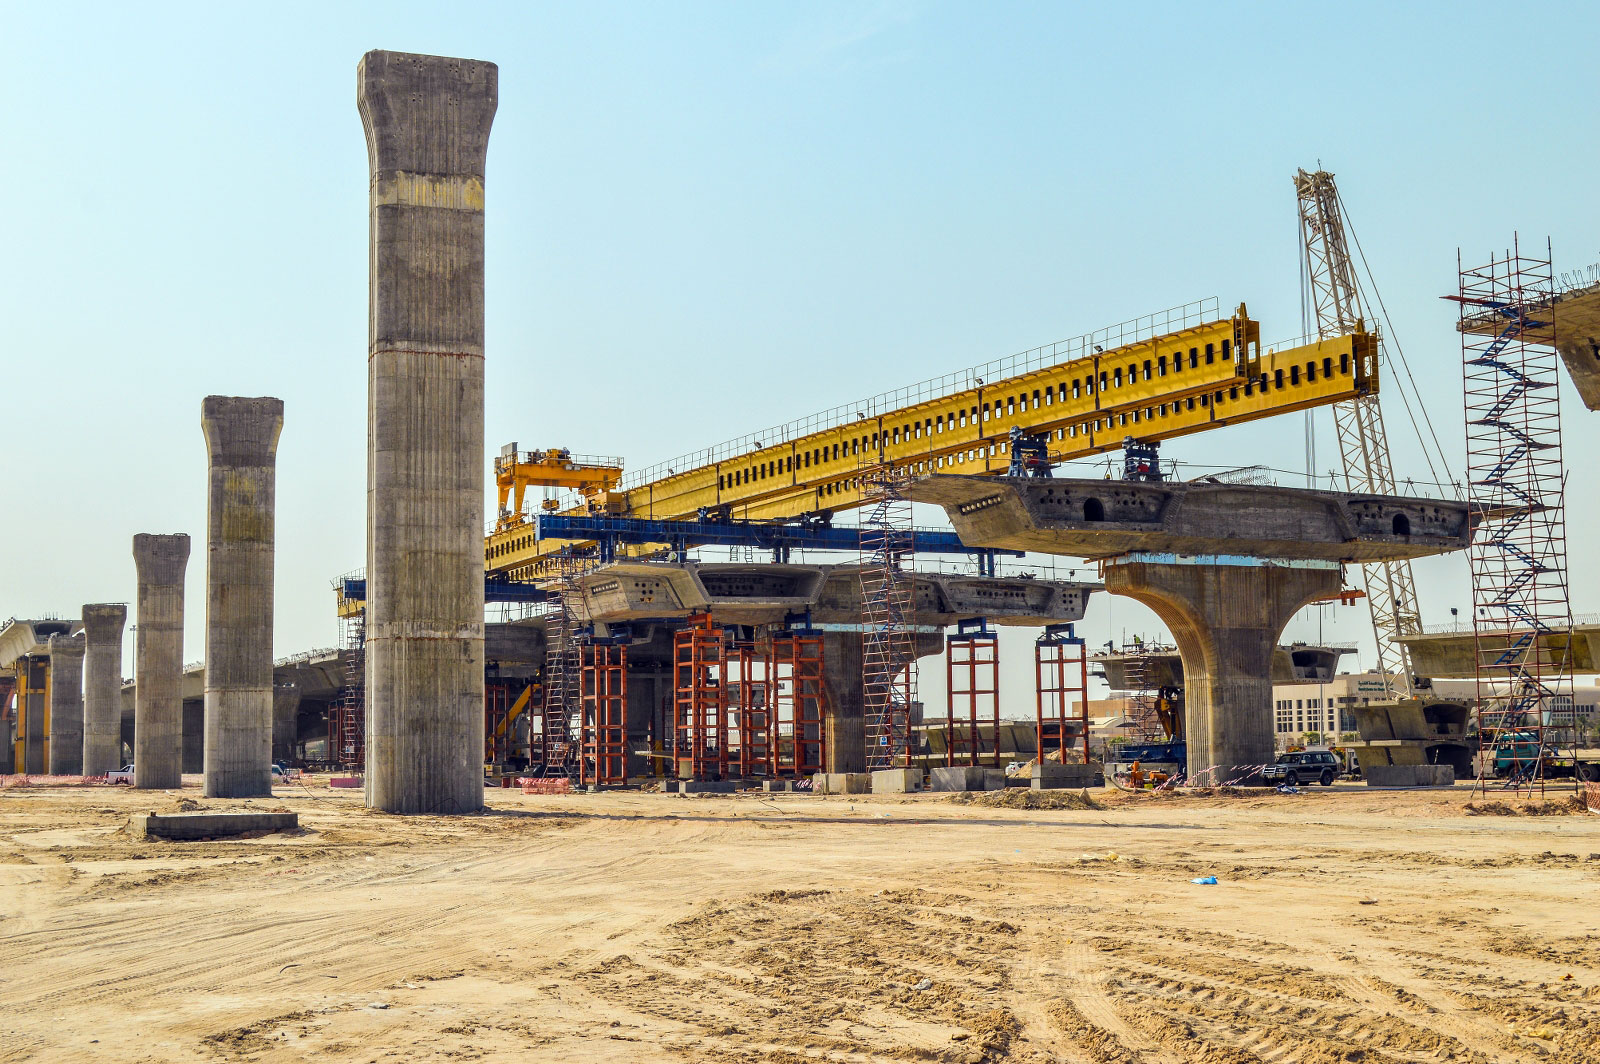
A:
(972, 685)
(700, 701)
(796, 693)
(604, 728)
(750, 695)
(1061, 677)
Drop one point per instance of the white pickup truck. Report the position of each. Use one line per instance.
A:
(121, 775)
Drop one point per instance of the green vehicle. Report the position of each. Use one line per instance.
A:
(1516, 753)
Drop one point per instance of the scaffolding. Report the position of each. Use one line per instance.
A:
(700, 701)
(972, 686)
(1061, 678)
(347, 719)
(604, 728)
(1522, 617)
(888, 628)
(795, 683)
(553, 746)
(750, 724)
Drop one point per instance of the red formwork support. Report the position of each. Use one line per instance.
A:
(1061, 677)
(750, 712)
(604, 721)
(700, 701)
(972, 684)
(797, 694)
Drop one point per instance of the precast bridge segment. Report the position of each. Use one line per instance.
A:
(1166, 375)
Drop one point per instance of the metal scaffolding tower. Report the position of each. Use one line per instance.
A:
(972, 687)
(347, 721)
(1522, 618)
(750, 707)
(554, 748)
(888, 623)
(1336, 303)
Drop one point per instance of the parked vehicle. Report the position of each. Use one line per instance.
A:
(1303, 767)
(1162, 760)
(121, 775)
(1516, 752)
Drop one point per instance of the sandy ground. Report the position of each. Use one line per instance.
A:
(1348, 925)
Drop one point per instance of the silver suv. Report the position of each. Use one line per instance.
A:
(1303, 767)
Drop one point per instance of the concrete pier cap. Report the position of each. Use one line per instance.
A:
(103, 624)
(158, 652)
(242, 444)
(427, 121)
(66, 704)
(1225, 566)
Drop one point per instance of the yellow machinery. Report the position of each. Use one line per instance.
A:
(1199, 372)
(516, 471)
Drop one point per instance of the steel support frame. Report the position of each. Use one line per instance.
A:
(750, 711)
(603, 761)
(972, 688)
(796, 691)
(700, 701)
(1061, 679)
(888, 617)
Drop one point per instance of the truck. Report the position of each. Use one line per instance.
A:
(1516, 752)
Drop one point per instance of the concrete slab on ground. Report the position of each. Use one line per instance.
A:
(189, 826)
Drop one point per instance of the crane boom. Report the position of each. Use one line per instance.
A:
(1337, 303)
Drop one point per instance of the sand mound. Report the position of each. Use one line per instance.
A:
(1566, 805)
(1016, 798)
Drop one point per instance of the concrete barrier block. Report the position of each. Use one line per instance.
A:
(210, 825)
(1409, 775)
(841, 783)
(967, 778)
(1050, 776)
(779, 786)
(897, 781)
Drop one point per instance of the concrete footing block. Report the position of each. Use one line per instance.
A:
(210, 825)
(966, 778)
(841, 783)
(1050, 776)
(778, 786)
(1410, 775)
(897, 781)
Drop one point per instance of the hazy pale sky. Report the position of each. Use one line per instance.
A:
(708, 218)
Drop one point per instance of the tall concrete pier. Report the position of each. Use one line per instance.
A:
(158, 661)
(1226, 615)
(427, 122)
(242, 445)
(66, 705)
(285, 720)
(102, 687)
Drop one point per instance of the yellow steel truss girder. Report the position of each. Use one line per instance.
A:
(1086, 406)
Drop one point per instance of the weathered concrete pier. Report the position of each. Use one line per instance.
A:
(66, 705)
(158, 649)
(242, 445)
(102, 687)
(427, 122)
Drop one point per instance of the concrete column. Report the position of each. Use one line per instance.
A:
(427, 122)
(158, 661)
(1226, 620)
(285, 721)
(66, 705)
(242, 447)
(844, 717)
(102, 687)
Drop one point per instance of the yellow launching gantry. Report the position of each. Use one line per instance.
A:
(515, 471)
(1166, 375)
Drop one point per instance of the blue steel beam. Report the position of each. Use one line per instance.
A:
(759, 534)
(495, 589)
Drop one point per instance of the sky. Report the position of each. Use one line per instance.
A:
(705, 219)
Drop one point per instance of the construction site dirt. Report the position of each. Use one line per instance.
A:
(1344, 925)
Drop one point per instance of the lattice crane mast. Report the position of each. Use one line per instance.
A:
(1336, 300)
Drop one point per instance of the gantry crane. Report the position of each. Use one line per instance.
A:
(1183, 371)
(1336, 301)
(556, 467)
